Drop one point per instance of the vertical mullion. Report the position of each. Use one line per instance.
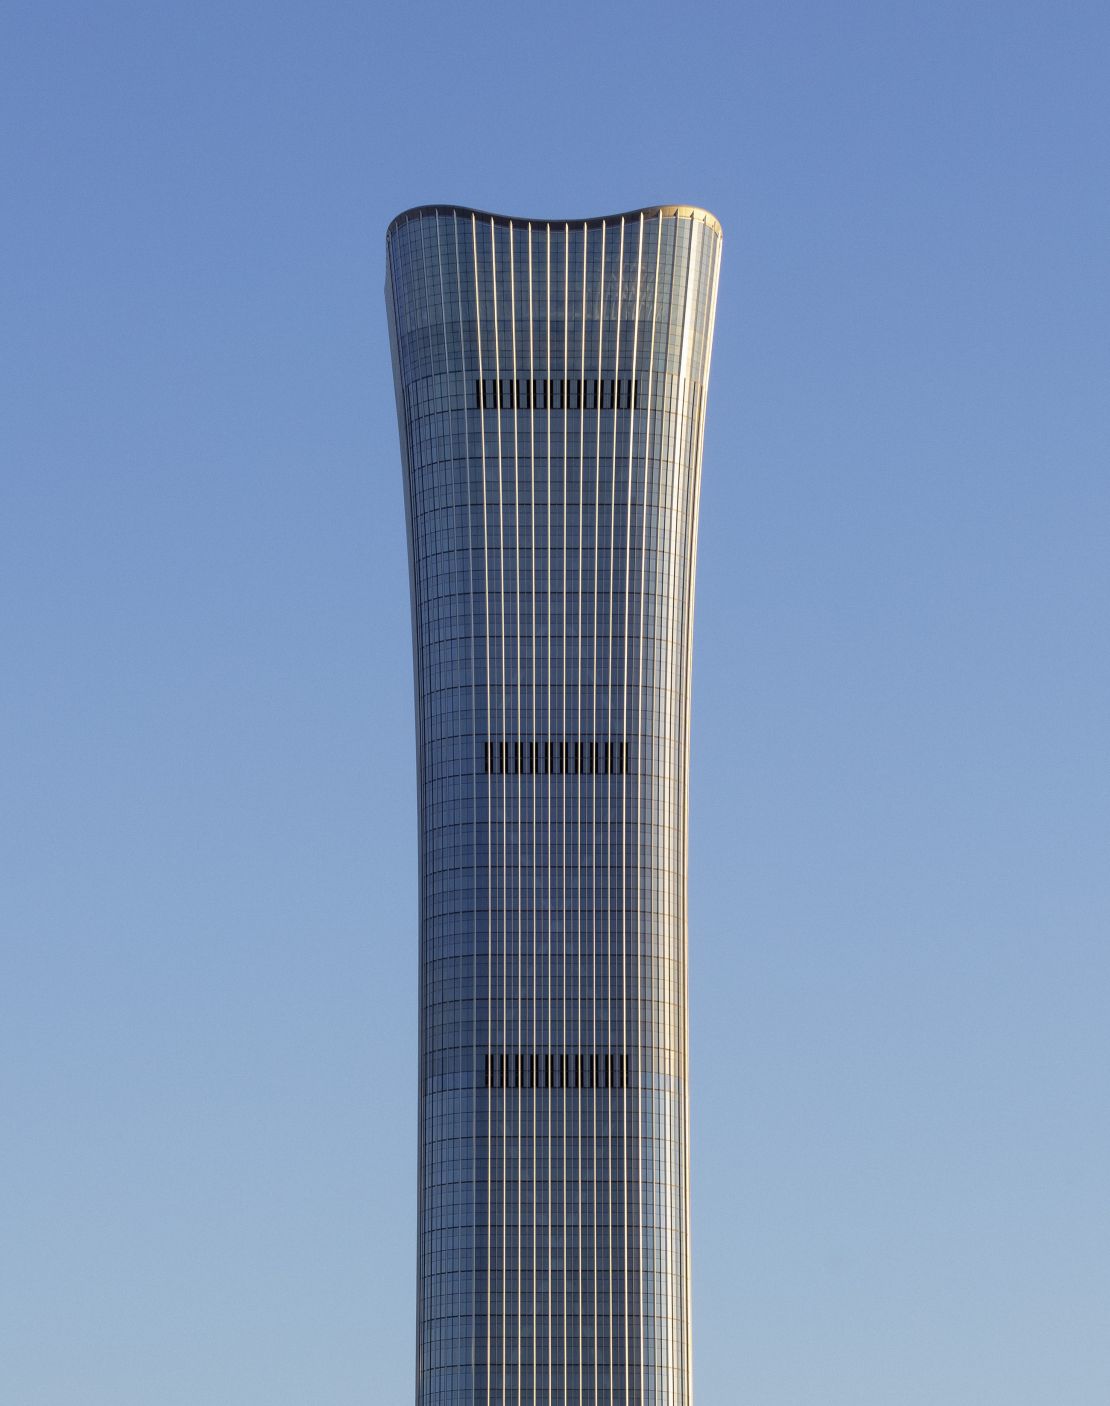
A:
(490, 880)
(677, 661)
(629, 1008)
(644, 1088)
(452, 730)
(676, 1193)
(563, 792)
(507, 1107)
(593, 860)
(533, 733)
(549, 791)
(580, 919)
(464, 373)
(427, 921)
(517, 947)
(606, 785)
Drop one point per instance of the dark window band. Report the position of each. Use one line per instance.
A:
(555, 1071)
(546, 393)
(533, 758)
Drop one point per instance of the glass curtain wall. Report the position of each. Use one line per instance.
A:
(551, 388)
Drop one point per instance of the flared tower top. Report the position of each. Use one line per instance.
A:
(689, 212)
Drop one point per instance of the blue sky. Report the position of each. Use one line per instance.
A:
(899, 884)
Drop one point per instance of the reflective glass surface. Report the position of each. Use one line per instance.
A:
(551, 396)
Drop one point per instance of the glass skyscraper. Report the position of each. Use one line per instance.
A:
(551, 386)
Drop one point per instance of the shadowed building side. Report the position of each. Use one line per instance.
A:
(551, 385)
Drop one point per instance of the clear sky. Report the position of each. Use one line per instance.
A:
(901, 801)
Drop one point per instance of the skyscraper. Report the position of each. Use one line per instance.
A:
(551, 384)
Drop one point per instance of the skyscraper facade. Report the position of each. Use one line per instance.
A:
(551, 386)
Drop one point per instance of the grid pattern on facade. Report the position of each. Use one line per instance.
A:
(552, 554)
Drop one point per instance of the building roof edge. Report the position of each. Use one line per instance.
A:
(692, 212)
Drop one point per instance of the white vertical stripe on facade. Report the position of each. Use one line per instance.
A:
(501, 835)
(708, 343)
(514, 942)
(422, 808)
(674, 1180)
(563, 807)
(630, 1008)
(533, 731)
(664, 1214)
(591, 867)
(579, 921)
(549, 501)
(645, 1276)
(682, 768)
(441, 783)
(476, 1054)
(674, 1171)
(489, 801)
(612, 870)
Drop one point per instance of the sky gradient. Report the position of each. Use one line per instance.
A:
(900, 897)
